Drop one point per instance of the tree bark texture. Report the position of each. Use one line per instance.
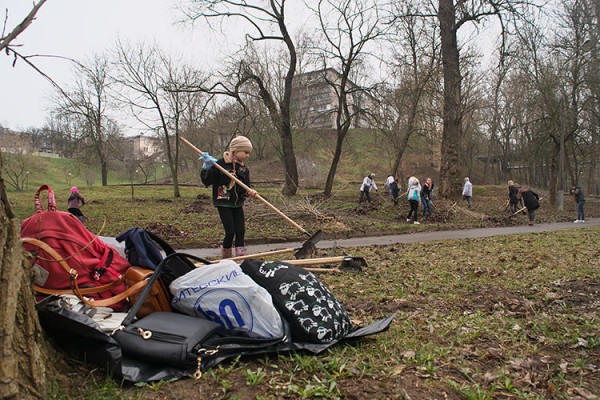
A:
(450, 182)
(23, 350)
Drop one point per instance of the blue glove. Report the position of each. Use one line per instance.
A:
(209, 161)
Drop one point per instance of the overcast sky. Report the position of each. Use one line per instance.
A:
(78, 28)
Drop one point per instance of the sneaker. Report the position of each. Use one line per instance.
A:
(582, 221)
(417, 223)
(576, 221)
(408, 219)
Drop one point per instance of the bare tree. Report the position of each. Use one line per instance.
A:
(18, 160)
(348, 27)
(268, 23)
(452, 16)
(153, 86)
(25, 374)
(86, 106)
(415, 64)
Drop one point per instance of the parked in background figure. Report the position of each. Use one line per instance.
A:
(74, 202)
(227, 195)
(427, 197)
(531, 200)
(388, 185)
(414, 197)
(580, 200)
(513, 196)
(467, 192)
(367, 185)
(394, 191)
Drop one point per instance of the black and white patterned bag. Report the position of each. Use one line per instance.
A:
(313, 312)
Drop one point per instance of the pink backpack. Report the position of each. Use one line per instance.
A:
(67, 258)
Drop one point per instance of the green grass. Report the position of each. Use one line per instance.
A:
(475, 320)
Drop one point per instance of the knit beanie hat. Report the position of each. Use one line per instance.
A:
(74, 189)
(240, 143)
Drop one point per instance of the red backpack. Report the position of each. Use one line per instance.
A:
(67, 258)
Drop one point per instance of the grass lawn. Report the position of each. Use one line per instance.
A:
(493, 318)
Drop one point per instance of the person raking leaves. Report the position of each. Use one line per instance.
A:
(227, 196)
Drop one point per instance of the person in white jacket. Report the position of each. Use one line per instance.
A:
(367, 185)
(467, 192)
(388, 185)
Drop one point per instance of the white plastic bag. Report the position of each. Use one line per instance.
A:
(223, 293)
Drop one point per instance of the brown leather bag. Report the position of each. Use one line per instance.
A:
(157, 300)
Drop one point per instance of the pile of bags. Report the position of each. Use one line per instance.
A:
(156, 314)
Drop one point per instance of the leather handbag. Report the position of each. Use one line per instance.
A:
(157, 299)
(166, 338)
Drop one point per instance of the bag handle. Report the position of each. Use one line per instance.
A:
(51, 199)
(140, 300)
(73, 274)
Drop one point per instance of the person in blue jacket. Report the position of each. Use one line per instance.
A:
(414, 197)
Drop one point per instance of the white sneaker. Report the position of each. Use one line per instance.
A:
(417, 223)
(582, 221)
(576, 221)
(408, 219)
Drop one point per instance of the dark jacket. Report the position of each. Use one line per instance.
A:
(530, 199)
(426, 191)
(578, 193)
(513, 194)
(395, 189)
(225, 191)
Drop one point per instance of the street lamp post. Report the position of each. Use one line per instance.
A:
(70, 175)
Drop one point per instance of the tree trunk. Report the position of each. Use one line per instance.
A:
(450, 182)
(289, 158)
(104, 171)
(25, 364)
(341, 135)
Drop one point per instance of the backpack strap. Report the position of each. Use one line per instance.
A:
(79, 292)
(165, 246)
(51, 199)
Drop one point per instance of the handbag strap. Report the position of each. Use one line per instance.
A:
(159, 269)
(79, 292)
(51, 199)
(140, 300)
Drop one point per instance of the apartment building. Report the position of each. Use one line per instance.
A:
(315, 101)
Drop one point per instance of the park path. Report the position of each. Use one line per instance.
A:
(416, 237)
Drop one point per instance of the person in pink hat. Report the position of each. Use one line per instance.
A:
(74, 202)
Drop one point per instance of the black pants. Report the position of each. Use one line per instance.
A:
(76, 212)
(414, 210)
(234, 226)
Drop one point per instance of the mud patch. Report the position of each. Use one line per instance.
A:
(202, 204)
(167, 231)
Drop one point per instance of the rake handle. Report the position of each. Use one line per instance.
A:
(317, 261)
(258, 255)
(243, 185)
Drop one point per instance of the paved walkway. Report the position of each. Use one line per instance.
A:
(409, 238)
